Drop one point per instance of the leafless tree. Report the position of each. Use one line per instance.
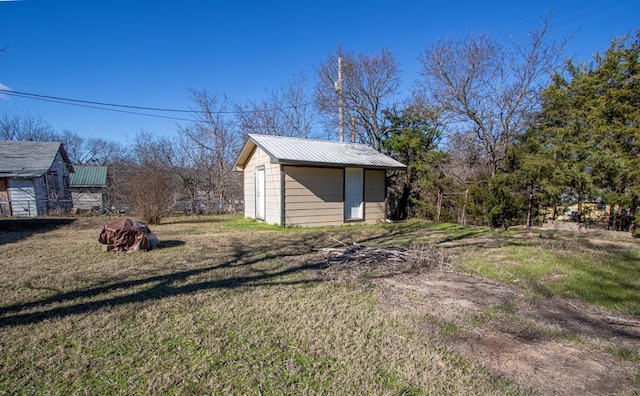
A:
(150, 182)
(467, 160)
(153, 151)
(92, 151)
(369, 85)
(487, 91)
(25, 127)
(215, 145)
(285, 112)
(151, 193)
(118, 185)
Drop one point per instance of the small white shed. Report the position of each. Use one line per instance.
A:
(304, 182)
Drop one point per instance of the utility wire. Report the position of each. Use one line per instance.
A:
(70, 101)
(61, 100)
(82, 104)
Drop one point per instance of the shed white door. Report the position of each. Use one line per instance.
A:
(353, 191)
(260, 196)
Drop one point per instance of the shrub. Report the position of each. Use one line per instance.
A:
(151, 194)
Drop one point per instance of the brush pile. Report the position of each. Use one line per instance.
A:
(359, 260)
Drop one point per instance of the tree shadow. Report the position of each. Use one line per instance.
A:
(414, 232)
(578, 320)
(14, 230)
(197, 220)
(171, 243)
(165, 286)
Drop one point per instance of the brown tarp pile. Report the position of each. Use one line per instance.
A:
(127, 235)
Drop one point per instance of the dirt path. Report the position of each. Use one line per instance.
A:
(552, 346)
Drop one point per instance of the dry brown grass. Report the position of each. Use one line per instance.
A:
(221, 307)
(226, 306)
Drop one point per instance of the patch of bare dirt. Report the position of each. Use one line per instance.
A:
(552, 346)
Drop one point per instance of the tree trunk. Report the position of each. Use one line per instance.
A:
(403, 202)
(530, 207)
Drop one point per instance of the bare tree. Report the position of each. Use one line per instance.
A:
(92, 151)
(487, 91)
(215, 147)
(153, 151)
(151, 182)
(119, 176)
(369, 84)
(151, 193)
(25, 127)
(285, 112)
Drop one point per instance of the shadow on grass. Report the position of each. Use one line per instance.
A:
(411, 232)
(171, 243)
(164, 286)
(198, 219)
(14, 230)
(469, 233)
(613, 281)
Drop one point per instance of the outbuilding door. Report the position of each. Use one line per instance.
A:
(353, 193)
(260, 196)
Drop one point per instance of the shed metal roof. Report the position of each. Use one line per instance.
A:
(89, 176)
(298, 151)
(29, 159)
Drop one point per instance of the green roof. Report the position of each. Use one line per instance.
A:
(89, 176)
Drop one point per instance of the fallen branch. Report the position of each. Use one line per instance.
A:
(340, 242)
(623, 322)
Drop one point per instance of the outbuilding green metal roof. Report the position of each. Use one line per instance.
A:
(89, 176)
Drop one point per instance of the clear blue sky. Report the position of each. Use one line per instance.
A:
(149, 53)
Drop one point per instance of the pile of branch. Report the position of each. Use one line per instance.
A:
(367, 255)
(358, 259)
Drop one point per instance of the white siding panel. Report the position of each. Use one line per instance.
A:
(22, 195)
(250, 192)
(88, 200)
(272, 190)
(272, 187)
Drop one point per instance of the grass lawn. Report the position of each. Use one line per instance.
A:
(229, 306)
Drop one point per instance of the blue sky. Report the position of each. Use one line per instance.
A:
(150, 53)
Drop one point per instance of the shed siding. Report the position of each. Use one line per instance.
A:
(250, 187)
(374, 196)
(53, 189)
(63, 182)
(22, 196)
(88, 198)
(273, 197)
(42, 198)
(40, 192)
(314, 196)
(5, 207)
